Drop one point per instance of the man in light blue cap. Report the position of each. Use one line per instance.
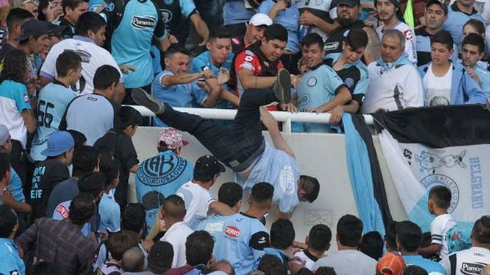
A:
(50, 172)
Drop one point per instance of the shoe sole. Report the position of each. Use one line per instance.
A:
(141, 97)
(284, 81)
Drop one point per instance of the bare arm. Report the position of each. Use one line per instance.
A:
(249, 81)
(201, 28)
(214, 94)
(279, 6)
(271, 125)
(371, 52)
(430, 250)
(337, 112)
(342, 97)
(281, 215)
(29, 120)
(228, 96)
(181, 78)
(221, 208)
(15, 205)
(120, 93)
(44, 81)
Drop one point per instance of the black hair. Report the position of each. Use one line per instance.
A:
(134, 217)
(356, 39)
(481, 230)
(219, 32)
(174, 207)
(89, 21)
(312, 39)
(92, 183)
(282, 234)
(14, 66)
(276, 31)
(72, 4)
(325, 270)
(437, 2)
(16, 16)
(110, 169)
(82, 208)
(444, 38)
(272, 265)
(372, 245)
(120, 242)
(349, 230)
(409, 236)
(4, 165)
(78, 137)
(199, 248)
(174, 48)
(319, 237)
(127, 116)
(414, 270)
(311, 186)
(477, 24)
(66, 61)
(475, 40)
(230, 193)
(441, 196)
(105, 76)
(8, 220)
(390, 236)
(85, 159)
(262, 192)
(160, 257)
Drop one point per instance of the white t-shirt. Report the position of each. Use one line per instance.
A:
(466, 262)
(177, 235)
(348, 262)
(409, 39)
(437, 89)
(92, 56)
(438, 229)
(197, 200)
(309, 259)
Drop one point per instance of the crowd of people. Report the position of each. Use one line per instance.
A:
(69, 69)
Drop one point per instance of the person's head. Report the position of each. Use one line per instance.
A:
(207, 169)
(79, 138)
(435, 15)
(390, 264)
(177, 59)
(171, 139)
(354, 44)
(133, 260)
(92, 25)
(312, 50)
(85, 160)
(408, 237)
(69, 66)
(199, 248)
(8, 222)
(110, 169)
(414, 270)
(325, 270)
(392, 45)
(223, 266)
(34, 37)
(173, 209)
(15, 67)
(439, 199)
(82, 208)
(348, 11)
(349, 231)
(256, 27)
(15, 20)
(441, 48)
(106, 79)
(120, 242)
(274, 42)
(390, 237)
(308, 188)
(31, 6)
(271, 265)
(231, 193)
(134, 218)
(73, 9)
(60, 146)
(387, 10)
(92, 183)
(5, 140)
(128, 119)
(160, 257)
(466, 3)
(480, 234)
(282, 234)
(219, 45)
(372, 245)
(53, 5)
(472, 49)
(474, 26)
(4, 169)
(261, 196)
(319, 238)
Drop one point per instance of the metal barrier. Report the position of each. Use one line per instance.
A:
(285, 117)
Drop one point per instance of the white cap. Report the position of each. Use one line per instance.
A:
(260, 19)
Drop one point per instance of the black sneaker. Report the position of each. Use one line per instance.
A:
(282, 86)
(141, 97)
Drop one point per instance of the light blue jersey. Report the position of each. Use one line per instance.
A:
(288, 18)
(11, 263)
(234, 12)
(143, 21)
(110, 214)
(432, 267)
(14, 99)
(203, 62)
(240, 239)
(316, 88)
(52, 103)
(279, 169)
(456, 20)
(16, 184)
(484, 77)
(183, 95)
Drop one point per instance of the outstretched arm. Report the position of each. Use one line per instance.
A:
(271, 125)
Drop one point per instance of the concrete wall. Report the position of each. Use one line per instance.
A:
(319, 155)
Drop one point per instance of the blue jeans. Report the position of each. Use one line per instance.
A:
(238, 145)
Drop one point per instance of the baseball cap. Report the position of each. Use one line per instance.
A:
(58, 143)
(4, 134)
(350, 3)
(55, 30)
(33, 27)
(208, 166)
(172, 138)
(391, 264)
(437, 2)
(260, 19)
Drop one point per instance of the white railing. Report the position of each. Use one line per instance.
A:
(285, 117)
